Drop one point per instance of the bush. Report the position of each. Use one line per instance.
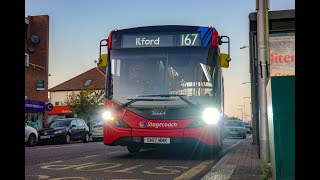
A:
(266, 171)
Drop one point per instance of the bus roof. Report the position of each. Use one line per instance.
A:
(162, 28)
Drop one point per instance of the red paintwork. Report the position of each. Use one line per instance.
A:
(215, 36)
(207, 134)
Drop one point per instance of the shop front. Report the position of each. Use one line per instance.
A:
(34, 113)
(60, 112)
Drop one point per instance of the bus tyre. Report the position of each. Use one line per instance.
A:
(133, 148)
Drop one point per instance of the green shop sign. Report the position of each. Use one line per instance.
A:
(40, 85)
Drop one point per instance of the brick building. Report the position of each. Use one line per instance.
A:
(36, 68)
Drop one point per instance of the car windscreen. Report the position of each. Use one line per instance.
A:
(58, 123)
(235, 123)
(100, 124)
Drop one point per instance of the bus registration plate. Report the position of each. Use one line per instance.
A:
(157, 140)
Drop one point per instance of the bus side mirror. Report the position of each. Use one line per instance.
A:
(224, 60)
(103, 60)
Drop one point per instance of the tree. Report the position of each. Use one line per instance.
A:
(86, 102)
(233, 118)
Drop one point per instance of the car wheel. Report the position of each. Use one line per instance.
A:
(244, 137)
(133, 148)
(86, 138)
(32, 140)
(67, 139)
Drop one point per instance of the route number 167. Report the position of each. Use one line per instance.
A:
(189, 39)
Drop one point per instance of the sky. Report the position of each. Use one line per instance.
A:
(77, 26)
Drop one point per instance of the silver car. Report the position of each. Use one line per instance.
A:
(30, 135)
(97, 132)
(235, 128)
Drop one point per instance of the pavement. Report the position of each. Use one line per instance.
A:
(240, 163)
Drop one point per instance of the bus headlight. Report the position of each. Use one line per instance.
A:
(107, 116)
(211, 115)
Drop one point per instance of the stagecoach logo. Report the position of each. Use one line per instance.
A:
(142, 124)
(158, 113)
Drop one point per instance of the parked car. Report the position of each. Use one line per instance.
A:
(64, 130)
(235, 128)
(248, 127)
(97, 131)
(30, 135)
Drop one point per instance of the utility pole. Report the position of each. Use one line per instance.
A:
(262, 7)
(241, 112)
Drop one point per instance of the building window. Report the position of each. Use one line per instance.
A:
(56, 103)
(88, 82)
(26, 60)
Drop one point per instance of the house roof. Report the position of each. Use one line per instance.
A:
(95, 74)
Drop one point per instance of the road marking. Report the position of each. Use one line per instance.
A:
(195, 170)
(90, 156)
(49, 163)
(112, 165)
(63, 167)
(126, 179)
(114, 152)
(40, 176)
(60, 178)
(58, 147)
(166, 168)
(126, 170)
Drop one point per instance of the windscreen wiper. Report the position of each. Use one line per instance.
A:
(131, 101)
(172, 95)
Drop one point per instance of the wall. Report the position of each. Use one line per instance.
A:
(38, 60)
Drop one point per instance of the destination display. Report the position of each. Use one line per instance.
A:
(161, 40)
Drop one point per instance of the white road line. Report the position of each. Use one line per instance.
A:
(59, 147)
(115, 152)
(126, 179)
(48, 163)
(90, 156)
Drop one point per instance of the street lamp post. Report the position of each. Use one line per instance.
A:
(254, 105)
(243, 47)
(242, 111)
(244, 103)
(262, 7)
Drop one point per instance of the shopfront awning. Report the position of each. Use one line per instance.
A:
(60, 110)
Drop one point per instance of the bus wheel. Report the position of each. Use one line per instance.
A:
(133, 148)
